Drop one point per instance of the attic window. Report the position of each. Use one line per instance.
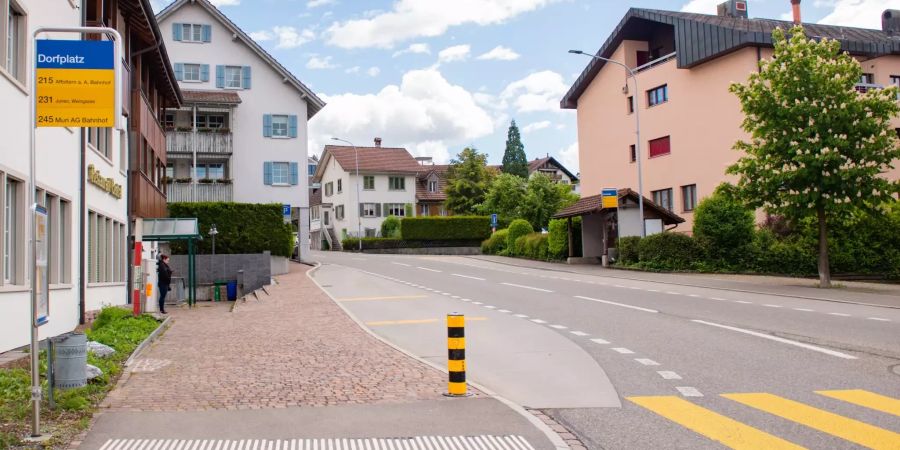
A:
(432, 186)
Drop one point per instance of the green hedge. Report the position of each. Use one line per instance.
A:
(669, 251)
(390, 228)
(496, 244)
(628, 250)
(469, 228)
(559, 238)
(351, 244)
(243, 228)
(724, 228)
(517, 229)
(534, 246)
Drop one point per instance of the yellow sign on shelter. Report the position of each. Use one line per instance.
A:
(76, 84)
(609, 198)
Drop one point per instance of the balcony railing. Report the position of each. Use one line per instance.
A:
(655, 62)
(203, 192)
(203, 142)
(148, 125)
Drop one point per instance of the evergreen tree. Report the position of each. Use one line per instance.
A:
(514, 160)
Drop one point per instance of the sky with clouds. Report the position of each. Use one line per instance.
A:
(435, 76)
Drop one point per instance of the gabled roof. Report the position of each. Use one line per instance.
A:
(594, 205)
(314, 103)
(536, 164)
(702, 37)
(438, 171)
(371, 160)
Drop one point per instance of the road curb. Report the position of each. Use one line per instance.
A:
(555, 439)
(745, 291)
(149, 340)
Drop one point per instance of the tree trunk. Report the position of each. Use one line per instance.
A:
(824, 271)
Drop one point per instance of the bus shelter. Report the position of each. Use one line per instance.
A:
(181, 229)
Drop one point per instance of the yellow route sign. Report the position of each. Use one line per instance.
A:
(76, 84)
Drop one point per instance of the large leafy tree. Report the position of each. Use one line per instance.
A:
(505, 196)
(543, 198)
(514, 160)
(817, 147)
(468, 179)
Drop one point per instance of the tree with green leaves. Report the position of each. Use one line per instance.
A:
(504, 196)
(543, 198)
(817, 146)
(468, 180)
(514, 160)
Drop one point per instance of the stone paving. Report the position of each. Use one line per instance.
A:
(292, 348)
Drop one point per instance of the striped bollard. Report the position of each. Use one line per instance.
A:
(456, 355)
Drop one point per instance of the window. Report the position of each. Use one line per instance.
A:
(340, 185)
(61, 240)
(663, 198)
(106, 249)
(867, 78)
(369, 182)
(100, 139)
(192, 72)
(659, 147)
(630, 104)
(13, 51)
(311, 169)
(281, 173)
(658, 95)
(169, 120)
(432, 186)
(369, 210)
(689, 195)
(895, 81)
(11, 215)
(170, 171)
(397, 183)
(213, 121)
(396, 209)
(339, 212)
(370, 232)
(633, 152)
(279, 126)
(232, 77)
(424, 210)
(329, 189)
(216, 171)
(192, 32)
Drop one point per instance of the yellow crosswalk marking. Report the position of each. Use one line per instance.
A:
(866, 399)
(712, 425)
(851, 430)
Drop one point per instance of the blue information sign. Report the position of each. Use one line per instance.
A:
(66, 54)
(494, 220)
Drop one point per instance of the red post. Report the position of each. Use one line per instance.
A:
(136, 294)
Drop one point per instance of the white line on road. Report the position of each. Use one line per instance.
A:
(688, 391)
(446, 293)
(839, 314)
(718, 299)
(358, 259)
(652, 290)
(646, 362)
(773, 306)
(743, 302)
(803, 309)
(600, 341)
(401, 264)
(694, 295)
(578, 333)
(538, 321)
(467, 276)
(521, 316)
(880, 319)
(559, 327)
(673, 293)
(455, 297)
(669, 375)
(503, 310)
(477, 303)
(526, 287)
(430, 270)
(490, 307)
(617, 304)
(780, 339)
(622, 350)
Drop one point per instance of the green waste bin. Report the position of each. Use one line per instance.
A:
(217, 294)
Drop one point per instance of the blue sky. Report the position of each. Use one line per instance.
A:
(435, 76)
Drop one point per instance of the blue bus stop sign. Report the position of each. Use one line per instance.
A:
(494, 220)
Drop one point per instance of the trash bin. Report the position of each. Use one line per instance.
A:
(232, 290)
(70, 360)
(217, 293)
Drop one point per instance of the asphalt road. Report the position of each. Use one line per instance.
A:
(659, 365)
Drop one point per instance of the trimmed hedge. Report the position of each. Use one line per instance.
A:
(724, 228)
(669, 251)
(351, 244)
(628, 250)
(243, 228)
(496, 244)
(471, 228)
(559, 238)
(534, 246)
(390, 228)
(517, 229)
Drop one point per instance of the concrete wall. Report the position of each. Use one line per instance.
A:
(210, 268)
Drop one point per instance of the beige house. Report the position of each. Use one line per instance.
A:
(684, 64)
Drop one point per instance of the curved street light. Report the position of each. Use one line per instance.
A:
(637, 119)
(358, 214)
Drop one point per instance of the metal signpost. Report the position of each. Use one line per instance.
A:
(75, 83)
(493, 223)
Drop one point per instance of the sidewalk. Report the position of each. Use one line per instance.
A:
(877, 294)
(291, 365)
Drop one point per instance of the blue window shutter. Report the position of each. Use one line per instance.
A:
(267, 125)
(267, 173)
(246, 77)
(207, 33)
(295, 174)
(179, 71)
(220, 76)
(204, 73)
(292, 126)
(176, 31)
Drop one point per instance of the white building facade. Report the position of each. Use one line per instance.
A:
(242, 133)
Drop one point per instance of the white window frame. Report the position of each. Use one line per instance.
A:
(366, 179)
(329, 189)
(432, 186)
(100, 140)
(192, 32)
(106, 249)
(340, 186)
(193, 70)
(663, 198)
(370, 210)
(689, 200)
(396, 209)
(281, 173)
(12, 230)
(230, 81)
(13, 38)
(279, 121)
(339, 212)
(393, 185)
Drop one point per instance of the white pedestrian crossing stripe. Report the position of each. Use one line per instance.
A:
(509, 442)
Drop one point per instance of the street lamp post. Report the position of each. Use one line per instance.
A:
(358, 212)
(637, 120)
(213, 232)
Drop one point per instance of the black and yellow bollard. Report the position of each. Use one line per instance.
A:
(456, 355)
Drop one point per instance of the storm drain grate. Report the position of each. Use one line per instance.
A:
(412, 443)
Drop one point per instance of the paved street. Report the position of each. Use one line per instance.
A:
(660, 363)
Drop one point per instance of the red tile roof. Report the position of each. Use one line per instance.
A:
(422, 193)
(227, 97)
(593, 205)
(374, 159)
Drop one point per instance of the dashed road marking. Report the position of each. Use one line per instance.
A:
(669, 375)
(743, 302)
(839, 314)
(477, 303)
(718, 299)
(600, 341)
(527, 287)
(617, 304)
(559, 327)
(646, 362)
(694, 295)
(767, 305)
(401, 264)
(490, 307)
(503, 310)
(780, 339)
(430, 270)
(467, 276)
(521, 316)
(880, 319)
(803, 309)
(688, 391)
(538, 321)
(622, 350)
(579, 333)
(455, 297)
(673, 293)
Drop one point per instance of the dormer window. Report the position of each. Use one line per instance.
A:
(432, 186)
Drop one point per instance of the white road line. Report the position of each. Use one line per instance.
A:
(718, 299)
(803, 309)
(743, 302)
(839, 314)
(652, 290)
(669, 375)
(618, 285)
(622, 350)
(503, 310)
(477, 303)
(780, 339)
(430, 270)
(646, 362)
(559, 327)
(358, 259)
(526, 287)
(455, 297)
(617, 304)
(446, 293)
(490, 307)
(694, 295)
(521, 316)
(880, 319)
(467, 276)
(673, 292)
(401, 264)
(772, 306)
(600, 341)
(538, 321)
(688, 391)
(466, 299)
(578, 333)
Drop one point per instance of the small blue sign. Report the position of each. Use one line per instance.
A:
(609, 192)
(66, 54)
(494, 220)
(286, 210)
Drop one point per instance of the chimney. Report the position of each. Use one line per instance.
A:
(733, 8)
(795, 7)
(890, 21)
(378, 142)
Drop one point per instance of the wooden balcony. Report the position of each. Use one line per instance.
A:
(147, 125)
(216, 143)
(204, 192)
(147, 200)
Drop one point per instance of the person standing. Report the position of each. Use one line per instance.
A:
(164, 280)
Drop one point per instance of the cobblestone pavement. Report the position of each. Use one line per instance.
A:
(292, 348)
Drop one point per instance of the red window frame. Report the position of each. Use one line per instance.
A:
(660, 147)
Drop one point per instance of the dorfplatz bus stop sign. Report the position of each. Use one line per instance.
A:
(76, 85)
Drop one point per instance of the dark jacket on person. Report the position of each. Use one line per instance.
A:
(165, 273)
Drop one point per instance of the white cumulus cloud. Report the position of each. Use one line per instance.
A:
(409, 19)
(436, 116)
(318, 3)
(454, 53)
(320, 63)
(262, 35)
(532, 127)
(288, 37)
(418, 48)
(225, 2)
(569, 158)
(373, 71)
(858, 13)
(540, 91)
(500, 53)
(702, 6)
